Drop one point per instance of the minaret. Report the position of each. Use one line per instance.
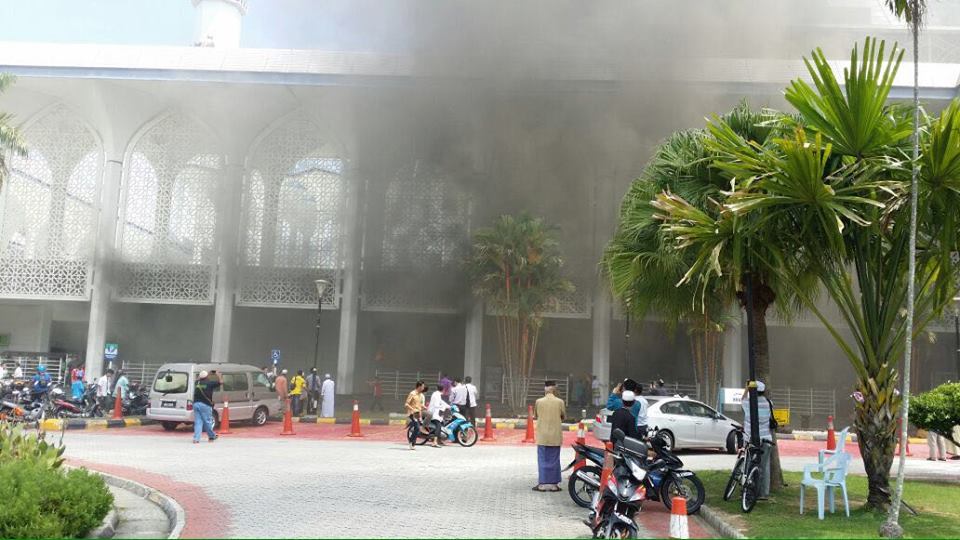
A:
(218, 23)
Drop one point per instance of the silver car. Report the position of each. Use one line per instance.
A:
(682, 423)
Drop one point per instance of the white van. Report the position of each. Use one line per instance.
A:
(246, 388)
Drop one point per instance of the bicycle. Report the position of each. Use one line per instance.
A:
(746, 473)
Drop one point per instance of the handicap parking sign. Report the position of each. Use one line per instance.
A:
(110, 351)
(275, 356)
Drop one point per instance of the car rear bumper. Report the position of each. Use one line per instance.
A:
(170, 415)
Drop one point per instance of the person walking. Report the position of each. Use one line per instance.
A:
(297, 385)
(203, 405)
(377, 386)
(472, 396)
(327, 396)
(122, 387)
(764, 414)
(436, 408)
(103, 390)
(414, 407)
(549, 412)
(313, 391)
(623, 417)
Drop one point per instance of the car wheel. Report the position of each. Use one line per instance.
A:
(733, 442)
(260, 416)
(667, 439)
(169, 426)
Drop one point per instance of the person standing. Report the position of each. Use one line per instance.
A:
(297, 386)
(377, 387)
(445, 384)
(614, 401)
(549, 412)
(76, 385)
(436, 408)
(122, 387)
(414, 407)
(458, 395)
(764, 412)
(18, 372)
(313, 391)
(472, 396)
(623, 418)
(595, 388)
(203, 405)
(281, 387)
(641, 412)
(41, 382)
(103, 390)
(327, 396)
(3, 371)
(937, 446)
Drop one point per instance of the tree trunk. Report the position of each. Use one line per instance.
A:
(875, 420)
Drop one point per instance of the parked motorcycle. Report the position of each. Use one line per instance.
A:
(454, 428)
(617, 502)
(86, 407)
(137, 402)
(20, 406)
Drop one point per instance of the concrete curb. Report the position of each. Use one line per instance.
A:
(108, 526)
(170, 507)
(714, 519)
(56, 424)
(498, 424)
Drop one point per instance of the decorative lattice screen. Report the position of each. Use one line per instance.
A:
(293, 209)
(49, 210)
(168, 248)
(425, 234)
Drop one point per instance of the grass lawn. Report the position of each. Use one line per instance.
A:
(779, 517)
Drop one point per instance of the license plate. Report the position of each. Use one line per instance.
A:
(685, 474)
(169, 404)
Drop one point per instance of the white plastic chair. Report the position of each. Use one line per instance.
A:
(834, 471)
(841, 443)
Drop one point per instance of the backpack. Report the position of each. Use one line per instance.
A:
(773, 421)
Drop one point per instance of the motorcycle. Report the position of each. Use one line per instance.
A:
(20, 406)
(87, 407)
(616, 503)
(137, 402)
(666, 477)
(455, 427)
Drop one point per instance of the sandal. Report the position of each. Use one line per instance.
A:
(537, 488)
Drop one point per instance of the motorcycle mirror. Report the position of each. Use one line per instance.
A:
(617, 435)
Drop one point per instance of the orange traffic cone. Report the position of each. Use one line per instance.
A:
(678, 518)
(488, 427)
(581, 438)
(531, 437)
(287, 419)
(607, 469)
(225, 420)
(831, 435)
(118, 408)
(355, 423)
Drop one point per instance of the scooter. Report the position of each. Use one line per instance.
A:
(620, 498)
(87, 407)
(454, 428)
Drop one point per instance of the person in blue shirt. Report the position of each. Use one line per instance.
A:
(41, 381)
(614, 401)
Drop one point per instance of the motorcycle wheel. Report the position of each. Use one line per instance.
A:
(467, 437)
(60, 412)
(622, 530)
(689, 487)
(580, 491)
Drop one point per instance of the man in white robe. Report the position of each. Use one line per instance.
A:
(326, 395)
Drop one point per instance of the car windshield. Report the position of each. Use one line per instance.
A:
(170, 382)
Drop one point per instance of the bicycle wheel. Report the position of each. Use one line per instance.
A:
(734, 479)
(751, 488)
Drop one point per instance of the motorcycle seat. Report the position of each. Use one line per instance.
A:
(635, 446)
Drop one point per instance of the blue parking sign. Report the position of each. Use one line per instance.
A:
(275, 356)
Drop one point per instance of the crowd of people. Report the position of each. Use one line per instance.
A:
(586, 390)
(448, 393)
(108, 385)
(317, 394)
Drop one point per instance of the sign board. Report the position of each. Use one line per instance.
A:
(110, 351)
(275, 356)
(732, 396)
(782, 416)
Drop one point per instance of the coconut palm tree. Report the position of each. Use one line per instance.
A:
(515, 267)
(11, 142)
(913, 12)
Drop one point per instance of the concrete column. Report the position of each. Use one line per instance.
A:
(229, 193)
(350, 293)
(473, 343)
(104, 253)
(44, 325)
(733, 350)
(601, 338)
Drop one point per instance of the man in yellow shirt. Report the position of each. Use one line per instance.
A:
(414, 407)
(297, 384)
(550, 412)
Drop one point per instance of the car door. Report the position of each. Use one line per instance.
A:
(677, 419)
(236, 390)
(263, 393)
(706, 426)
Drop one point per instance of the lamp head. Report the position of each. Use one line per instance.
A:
(322, 286)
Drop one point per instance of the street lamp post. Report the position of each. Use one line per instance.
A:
(322, 286)
(956, 331)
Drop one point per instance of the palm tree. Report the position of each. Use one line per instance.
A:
(515, 267)
(835, 191)
(11, 142)
(912, 11)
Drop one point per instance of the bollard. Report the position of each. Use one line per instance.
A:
(355, 422)
(531, 436)
(118, 408)
(488, 427)
(225, 420)
(287, 419)
(831, 435)
(581, 438)
(678, 518)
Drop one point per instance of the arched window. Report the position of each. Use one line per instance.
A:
(48, 210)
(168, 240)
(293, 211)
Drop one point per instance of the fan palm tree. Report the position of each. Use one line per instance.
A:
(11, 142)
(516, 268)
(913, 12)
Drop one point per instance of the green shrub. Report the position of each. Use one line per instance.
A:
(937, 410)
(37, 501)
(17, 444)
